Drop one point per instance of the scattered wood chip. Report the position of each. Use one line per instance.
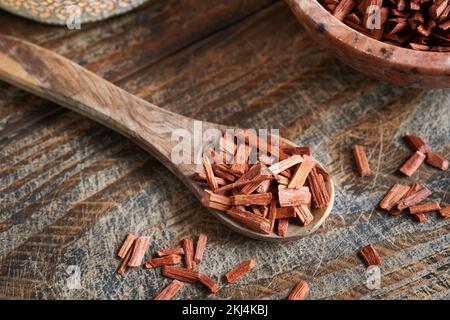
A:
(265, 211)
(252, 172)
(263, 186)
(287, 212)
(265, 160)
(123, 266)
(200, 248)
(256, 210)
(437, 161)
(224, 174)
(300, 291)
(285, 164)
(166, 252)
(361, 161)
(210, 177)
(240, 270)
(393, 196)
(413, 188)
(437, 8)
(241, 158)
(343, 9)
(414, 199)
(140, 248)
(417, 143)
(188, 248)
(208, 282)
(293, 197)
(445, 212)
(227, 147)
(283, 225)
(263, 177)
(180, 273)
(282, 180)
(421, 217)
(304, 214)
(201, 176)
(412, 164)
(302, 151)
(127, 244)
(216, 201)
(242, 183)
(250, 220)
(319, 193)
(425, 207)
(261, 199)
(170, 291)
(370, 255)
(166, 260)
(226, 169)
(301, 173)
(272, 214)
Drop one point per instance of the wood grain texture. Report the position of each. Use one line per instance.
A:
(55, 78)
(51, 76)
(71, 189)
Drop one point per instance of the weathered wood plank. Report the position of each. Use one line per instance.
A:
(72, 191)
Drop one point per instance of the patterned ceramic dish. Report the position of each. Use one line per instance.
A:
(62, 12)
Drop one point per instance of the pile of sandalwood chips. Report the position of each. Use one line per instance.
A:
(271, 190)
(134, 248)
(416, 24)
(411, 197)
(421, 151)
(401, 197)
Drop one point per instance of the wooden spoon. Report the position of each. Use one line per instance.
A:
(58, 79)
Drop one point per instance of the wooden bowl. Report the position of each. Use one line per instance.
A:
(374, 58)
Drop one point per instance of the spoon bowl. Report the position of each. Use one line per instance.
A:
(295, 230)
(60, 80)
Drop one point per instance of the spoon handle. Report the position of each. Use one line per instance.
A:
(60, 80)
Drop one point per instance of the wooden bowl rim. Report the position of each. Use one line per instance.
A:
(423, 61)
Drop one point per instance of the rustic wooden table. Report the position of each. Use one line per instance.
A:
(71, 189)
